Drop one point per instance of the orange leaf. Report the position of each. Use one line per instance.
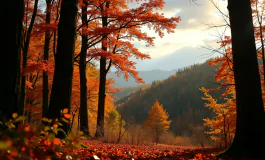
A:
(55, 125)
(65, 110)
(14, 115)
(27, 128)
(199, 155)
(14, 153)
(48, 158)
(47, 142)
(68, 116)
(56, 141)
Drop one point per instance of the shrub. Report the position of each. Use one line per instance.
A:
(23, 141)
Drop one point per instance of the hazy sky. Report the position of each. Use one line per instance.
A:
(182, 48)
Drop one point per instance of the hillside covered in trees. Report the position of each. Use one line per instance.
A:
(58, 104)
(126, 90)
(179, 94)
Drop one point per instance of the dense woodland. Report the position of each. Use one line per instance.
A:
(126, 90)
(179, 94)
(58, 101)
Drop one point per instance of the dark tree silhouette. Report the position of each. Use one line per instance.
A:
(15, 13)
(62, 82)
(102, 82)
(45, 85)
(83, 80)
(249, 138)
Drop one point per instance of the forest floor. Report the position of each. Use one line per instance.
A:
(99, 150)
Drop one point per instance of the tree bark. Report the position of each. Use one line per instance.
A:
(102, 83)
(249, 138)
(83, 80)
(225, 132)
(45, 80)
(259, 18)
(101, 98)
(25, 59)
(62, 81)
(15, 16)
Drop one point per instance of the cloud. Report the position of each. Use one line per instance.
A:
(160, 49)
(181, 48)
(178, 59)
(184, 38)
(200, 14)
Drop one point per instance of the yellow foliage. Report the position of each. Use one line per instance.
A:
(158, 120)
(158, 117)
(92, 96)
(223, 125)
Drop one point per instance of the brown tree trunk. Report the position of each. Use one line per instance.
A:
(157, 134)
(249, 138)
(225, 132)
(83, 80)
(45, 81)
(101, 98)
(259, 18)
(25, 59)
(139, 136)
(62, 81)
(15, 19)
(102, 84)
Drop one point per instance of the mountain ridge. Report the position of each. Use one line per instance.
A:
(148, 76)
(179, 94)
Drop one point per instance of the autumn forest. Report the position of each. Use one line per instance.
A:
(60, 103)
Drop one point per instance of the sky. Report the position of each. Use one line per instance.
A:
(184, 47)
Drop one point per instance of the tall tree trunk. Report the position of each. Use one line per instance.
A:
(15, 16)
(139, 136)
(73, 118)
(82, 71)
(120, 128)
(45, 81)
(157, 134)
(102, 83)
(62, 81)
(29, 113)
(25, 59)
(259, 18)
(101, 98)
(225, 132)
(78, 123)
(249, 138)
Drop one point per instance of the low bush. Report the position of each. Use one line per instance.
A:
(20, 141)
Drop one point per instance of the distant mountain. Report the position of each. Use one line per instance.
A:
(148, 77)
(179, 94)
(126, 90)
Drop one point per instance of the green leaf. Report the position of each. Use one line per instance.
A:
(20, 118)
(12, 125)
(81, 133)
(51, 136)
(83, 145)
(65, 120)
(55, 131)
(47, 128)
(3, 145)
(83, 137)
(78, 145)
(45, 119)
